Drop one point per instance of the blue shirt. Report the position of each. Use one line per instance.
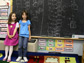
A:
(24, 28)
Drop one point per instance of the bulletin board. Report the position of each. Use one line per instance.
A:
(55, 45)
(5, 9)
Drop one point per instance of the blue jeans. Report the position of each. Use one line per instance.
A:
(22, 49)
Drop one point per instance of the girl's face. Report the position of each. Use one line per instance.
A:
(24, 16)
(13, 17)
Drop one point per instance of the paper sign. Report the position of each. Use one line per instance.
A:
(51, 59)
(59, 45)
(59, 49)
(68, 49)
(3, 10)
(3, 25)
(42, 40)
(3, 14)
(68, 43)
(50, 48)
(3, 21)
(4, 7)
(3, 33)
(3, 29)
(50, 43)
(42, 44)
(72, 59)
(2, 17)
(50, 40)
(41, 48)
(59, 41)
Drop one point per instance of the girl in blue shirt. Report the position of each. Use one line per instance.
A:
(24, 36)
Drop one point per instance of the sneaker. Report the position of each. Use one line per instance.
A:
(19, 58)
(25, 59)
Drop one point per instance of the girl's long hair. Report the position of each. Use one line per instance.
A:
(10, 19)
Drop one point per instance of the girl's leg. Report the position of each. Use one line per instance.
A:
(6, 53)
(20, 49)
(10, 53)
(25, 43)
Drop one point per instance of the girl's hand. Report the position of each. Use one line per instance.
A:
(29, 38)
(13, 35)
(10, 36)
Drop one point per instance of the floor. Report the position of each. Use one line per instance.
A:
(14, 56)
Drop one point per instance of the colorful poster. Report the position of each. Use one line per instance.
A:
(4, 17)
(51, 59)
(3, 21)
(42, 44)
(68, 45)
(59, 45)
(3, 25)
(69, 59)
(3, 33)
(3, 14)
(50, 43)
(3, 29)
(55, 45)
(50, 48)
(5, 9)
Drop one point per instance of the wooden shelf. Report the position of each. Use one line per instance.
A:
(61, 38)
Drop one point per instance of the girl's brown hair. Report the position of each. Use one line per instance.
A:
(25, 13)
(10, 19)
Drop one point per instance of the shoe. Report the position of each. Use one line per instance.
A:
(18, 59)
(8, 60)
(4, 59)
(25, 59)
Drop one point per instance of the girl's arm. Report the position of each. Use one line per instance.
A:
(8, 32)
(10, 36)
(14, 31)
(29, 32)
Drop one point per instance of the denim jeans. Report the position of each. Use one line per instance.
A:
(22, 49)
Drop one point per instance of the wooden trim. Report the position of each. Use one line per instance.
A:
(83, 55)
(61, 38)
(11, 5)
